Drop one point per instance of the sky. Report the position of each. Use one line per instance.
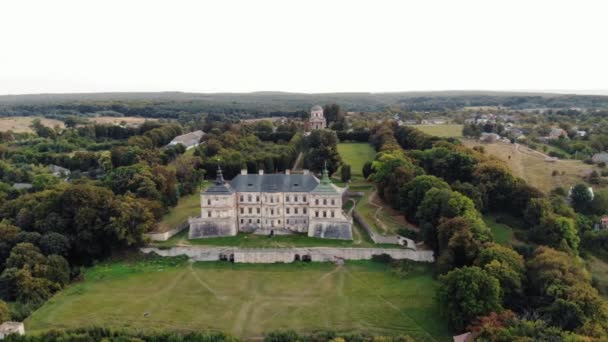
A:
(302, 46)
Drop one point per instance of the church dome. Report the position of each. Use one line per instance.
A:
(316, 108)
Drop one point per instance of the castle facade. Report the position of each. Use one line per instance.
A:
(272, 204)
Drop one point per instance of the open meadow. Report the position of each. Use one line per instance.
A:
(172, 293)
(447, 131)
(119, 120)
(532, 167)
(356, 155)
(21, 124)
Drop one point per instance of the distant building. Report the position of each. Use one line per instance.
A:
(581, 133)
(317, 120)
(10, 328)
(22, 186)
(489, 137)
(556, 133)
(58, 171)
(604, 222)
(188, 140)
(600, 158)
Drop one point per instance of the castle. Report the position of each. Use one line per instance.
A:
(272, 204)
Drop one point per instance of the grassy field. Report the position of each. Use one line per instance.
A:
(503, 234)
(129, 120)
(356, 155)
(176, 295)
(599, 270)
(532, 167)
(449, 130)
(21, 124)
(188, 206)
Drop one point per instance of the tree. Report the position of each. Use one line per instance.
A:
(599, 205)
(345, 173)
(554, 229)
(466, 293)
(54, 243)
(5, 314)
(442, 203)
(580, 198)
(413, 193)
(367, 169)
(537, 209)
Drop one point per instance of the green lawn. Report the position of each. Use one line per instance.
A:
(245, 240)
(186, 207)
(441, 130)
(248, 300)
(356, 155)
(503, 234)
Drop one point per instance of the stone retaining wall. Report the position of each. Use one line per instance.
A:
(167, 235)
(286, 255)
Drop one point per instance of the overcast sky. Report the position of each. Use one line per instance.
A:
(302, 46)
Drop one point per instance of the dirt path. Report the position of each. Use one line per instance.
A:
(204, 284)
(297, 165)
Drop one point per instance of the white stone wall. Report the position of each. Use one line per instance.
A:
(287, 255)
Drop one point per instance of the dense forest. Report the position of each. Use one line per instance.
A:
(262, 104)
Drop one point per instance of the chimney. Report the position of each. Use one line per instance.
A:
(305, 172)
(261, 171)
(243, 171)
(287, 171)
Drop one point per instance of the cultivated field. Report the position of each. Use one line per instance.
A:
(21, 124)
(128, 120)
(173, 294)
(448, 131)
(531, 165)
(356, 155)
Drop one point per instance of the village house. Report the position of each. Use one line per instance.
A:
(10, 328)
(600, 158)
(188, 140)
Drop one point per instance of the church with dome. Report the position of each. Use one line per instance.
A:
(317, 120)
(272, 204)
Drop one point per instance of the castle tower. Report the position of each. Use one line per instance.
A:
(317, 120)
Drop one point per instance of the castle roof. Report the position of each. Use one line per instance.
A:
(325, 186)
(219, 187)
(316, 108)
(274, 183)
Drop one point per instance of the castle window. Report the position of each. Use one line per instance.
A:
(317, 201)
(271, 199)
(242, 221)
(257, 198)
(279, 221)
(209, 201)
(304, 210)
(316, 214)
(248, 198)
(332, 213)
(209, 214)
(287, 210)
(250, 210)
(324, 213)
(287, 198)
(304, 198)
(333, 202)
(249, 220)
(257, 210)
(324, 201)
(295, 198)
(242, 210)
(258, 220)
(271, 211)
(295, 210)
